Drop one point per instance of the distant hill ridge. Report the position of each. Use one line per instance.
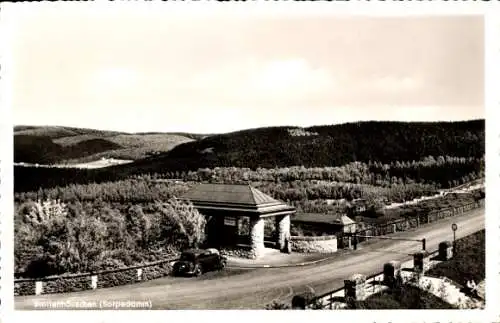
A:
(268, 147)
(319, 146)
(58, 144)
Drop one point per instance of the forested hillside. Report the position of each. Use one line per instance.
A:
(403, 145)
(321, 146)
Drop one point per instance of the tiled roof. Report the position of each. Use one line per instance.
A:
(228, 194)
(347, 220)
(234, 197)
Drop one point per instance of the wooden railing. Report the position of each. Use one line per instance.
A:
(327, 300)
(416, 221)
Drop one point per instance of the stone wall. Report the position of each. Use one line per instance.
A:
(103, 279)
(326, 244)
(22, 288)
(237, 252)
(66, 285)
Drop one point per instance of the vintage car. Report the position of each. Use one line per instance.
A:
(195, 262)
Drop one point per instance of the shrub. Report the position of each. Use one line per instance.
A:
(405, 296)
(53, 238)
(467, 263)
(277, 306)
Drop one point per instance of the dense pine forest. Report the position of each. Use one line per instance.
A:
(322, 146)
(400, 181)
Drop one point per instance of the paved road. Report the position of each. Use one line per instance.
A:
(253, 289)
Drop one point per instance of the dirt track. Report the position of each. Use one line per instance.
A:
(253, 289)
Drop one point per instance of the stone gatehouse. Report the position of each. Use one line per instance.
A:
(236, 214)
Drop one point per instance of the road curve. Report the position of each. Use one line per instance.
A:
(253, 289)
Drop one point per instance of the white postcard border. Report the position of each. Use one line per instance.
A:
(492, 72)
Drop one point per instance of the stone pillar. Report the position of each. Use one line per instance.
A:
(445, 250)
(139, 274)
(93, 282)
(354, 288)
(301, 301)
(283, 228)
(419, 262)
(38, 288)
(391, 270)
(257, 236)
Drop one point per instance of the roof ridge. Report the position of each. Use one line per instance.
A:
(266, 198)
(252, 193)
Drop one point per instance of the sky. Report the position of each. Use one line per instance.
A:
(140, 71)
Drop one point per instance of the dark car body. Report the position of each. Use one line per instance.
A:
(194, 262)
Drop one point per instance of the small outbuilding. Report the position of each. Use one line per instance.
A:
(236, 211)
(336, 224)
(319, 223)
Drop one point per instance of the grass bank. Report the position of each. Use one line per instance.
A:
(468, 262)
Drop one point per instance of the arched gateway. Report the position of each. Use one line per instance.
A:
(229, 207)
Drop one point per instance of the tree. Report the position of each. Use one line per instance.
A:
(182, 224)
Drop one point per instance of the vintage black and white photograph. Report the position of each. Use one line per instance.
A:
(266, 162)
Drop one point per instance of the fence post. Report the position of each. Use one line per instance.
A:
(445, 250)
(390, 271)
(355, 287)
(38, 287)
(420, 262)
(93, 281)
(139, 274)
